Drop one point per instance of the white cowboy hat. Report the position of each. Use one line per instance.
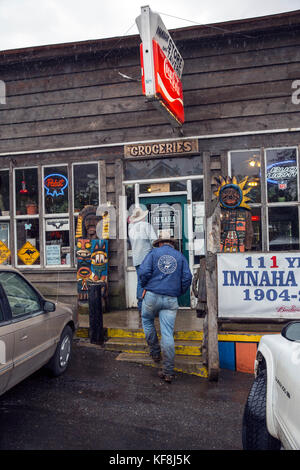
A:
(165, 237)
(137, 215)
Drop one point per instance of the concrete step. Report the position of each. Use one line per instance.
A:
(185, 364)
(139, 345)
(83, 332)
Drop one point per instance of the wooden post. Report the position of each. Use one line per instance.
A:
(96, 331)
(213, 237)
(213, 229)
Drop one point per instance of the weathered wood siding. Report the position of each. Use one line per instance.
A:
(236, 83)
(65, 96)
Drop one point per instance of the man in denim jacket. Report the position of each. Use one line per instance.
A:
(164, 275)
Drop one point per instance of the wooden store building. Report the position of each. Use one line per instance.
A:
(76, 112)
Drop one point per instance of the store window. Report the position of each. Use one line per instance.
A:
(5, 254)
(257, 229)
(28, 242)
(56, 190)
(56, 226)
(279, 230)
(283, 228)
(130, 204)
(4, 193)
(247, 163)
(163, 168)
(282, 175)
(26, 191)
(86, 185)
(198, 212)
(172, 186)
(57, 242)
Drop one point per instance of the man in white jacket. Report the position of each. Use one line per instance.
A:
(141, 235)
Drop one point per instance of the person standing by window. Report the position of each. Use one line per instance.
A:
(141, 235)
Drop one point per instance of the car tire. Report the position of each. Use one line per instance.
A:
(61, 358)
(255, 434)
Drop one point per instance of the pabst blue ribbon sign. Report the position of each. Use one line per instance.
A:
(162, 66)
(55, 184)
(259, 285)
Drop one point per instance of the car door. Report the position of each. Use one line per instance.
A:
(6, 343)
(287, 389)
(29, 323)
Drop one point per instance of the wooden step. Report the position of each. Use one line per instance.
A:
(185, 364)
(83, 332)
(139, 345)
(139, 333)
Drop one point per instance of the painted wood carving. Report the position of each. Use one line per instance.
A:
(92, 253)
(236, 222)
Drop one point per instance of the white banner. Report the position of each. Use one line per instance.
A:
(259, 285)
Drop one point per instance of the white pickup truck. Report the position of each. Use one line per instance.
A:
(272, 413)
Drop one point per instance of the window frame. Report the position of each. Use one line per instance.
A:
(60, 215)
(12, 219)
(264, 205)
(16, 218)
(75, 213)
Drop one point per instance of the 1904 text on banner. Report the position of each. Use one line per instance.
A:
(259, 285)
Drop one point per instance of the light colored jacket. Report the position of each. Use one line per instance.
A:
(141, 235)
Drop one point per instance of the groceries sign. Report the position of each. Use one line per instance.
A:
(162, 66)
(259, 285)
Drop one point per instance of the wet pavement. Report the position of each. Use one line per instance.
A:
(104, 404)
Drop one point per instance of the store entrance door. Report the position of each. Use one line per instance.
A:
(169, 213)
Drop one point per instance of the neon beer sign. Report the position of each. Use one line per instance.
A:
(281, 171)
(55, 184)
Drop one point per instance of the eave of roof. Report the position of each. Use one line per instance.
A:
(242, 27)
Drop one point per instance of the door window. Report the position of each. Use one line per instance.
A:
(167, 213)
(21, 297)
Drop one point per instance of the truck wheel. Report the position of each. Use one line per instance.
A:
(255, 433)
(61, 358)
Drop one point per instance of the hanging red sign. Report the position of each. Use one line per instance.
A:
(162, 67)
(168, 85)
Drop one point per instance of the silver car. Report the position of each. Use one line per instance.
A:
(33, 331)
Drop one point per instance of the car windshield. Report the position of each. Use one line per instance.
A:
(21, 296)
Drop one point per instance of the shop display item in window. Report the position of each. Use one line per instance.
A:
(236, 223)
(4, 253)
(26, 191)
(31, 208)
(28, 254)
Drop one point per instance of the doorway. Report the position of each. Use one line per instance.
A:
(170, 213)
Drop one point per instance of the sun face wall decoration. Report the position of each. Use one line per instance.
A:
(236, 222)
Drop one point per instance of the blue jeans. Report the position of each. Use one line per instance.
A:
(166, 307)
(139, 290)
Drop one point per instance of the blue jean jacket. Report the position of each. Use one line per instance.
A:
(165, 271)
